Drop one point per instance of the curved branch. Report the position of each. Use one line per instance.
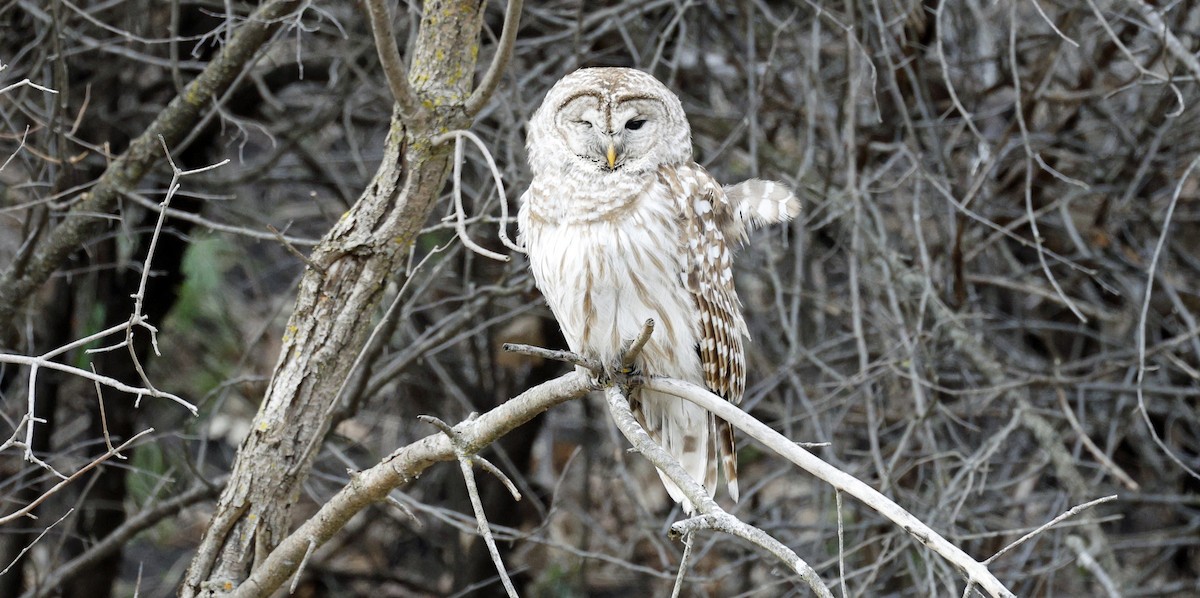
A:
(976, 572)
(491, 79)
(710, 514)
(389, 57)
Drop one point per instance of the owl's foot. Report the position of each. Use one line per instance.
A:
(618, 373)
(625, 369)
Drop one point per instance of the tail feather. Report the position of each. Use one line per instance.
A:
(728, 457)
(687, 433)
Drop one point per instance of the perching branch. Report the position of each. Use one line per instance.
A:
(975, 571)
(711, 515)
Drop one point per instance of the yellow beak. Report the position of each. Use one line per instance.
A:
(612, 156)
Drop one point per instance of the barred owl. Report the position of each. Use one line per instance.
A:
(621, 225)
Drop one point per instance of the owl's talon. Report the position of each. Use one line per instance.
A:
(617, 373)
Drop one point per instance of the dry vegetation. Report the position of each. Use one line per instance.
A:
(987, 310)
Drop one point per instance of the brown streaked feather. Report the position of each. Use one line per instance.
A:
(707, 272)
(728, 456)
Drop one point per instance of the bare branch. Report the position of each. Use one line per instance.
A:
(634, 348)
(62, 484)
(465, 460)
(402, 466)
(976, 572)
(711, 515)
(1142, 322)
(555, 355)
(504, 48)
(18, 281)
(389, 57)
(496, 178)
(1073, 511)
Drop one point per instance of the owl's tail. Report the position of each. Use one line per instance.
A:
(728, 455)
(694, 437)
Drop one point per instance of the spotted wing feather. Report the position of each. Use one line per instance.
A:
(707, 266)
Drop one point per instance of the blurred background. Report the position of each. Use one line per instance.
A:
(987, 309)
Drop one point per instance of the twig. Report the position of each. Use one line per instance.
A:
(312, 545)
(465, 458)
(1133, 61)
(17, 150)
(1144, 315)
(1019, 115)
(26, 82)
(837, 494)
(1045, 18)
(118, 538)
(460, 226)
(59, 486)
(634, 348)
(1174, 46)
(683, 564)
(217, 226)
(292, 249)
(1088, 562)
(1049, 524)
(458, 135)
(104, 418)
(555, 355)
(43, 362)
(137, 318)
(1091, 447)
(35, 541)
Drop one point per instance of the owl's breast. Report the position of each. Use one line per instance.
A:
(603, 277)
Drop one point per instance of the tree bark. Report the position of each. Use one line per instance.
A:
(338, 294)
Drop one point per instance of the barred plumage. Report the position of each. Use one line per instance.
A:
(621, 225)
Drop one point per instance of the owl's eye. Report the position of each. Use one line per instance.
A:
(583, 123)
(634, 125)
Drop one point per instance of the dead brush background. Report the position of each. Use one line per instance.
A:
(987, 309)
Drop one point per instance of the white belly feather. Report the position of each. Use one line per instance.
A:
(603, 278)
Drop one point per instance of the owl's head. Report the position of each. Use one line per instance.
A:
(608, 121)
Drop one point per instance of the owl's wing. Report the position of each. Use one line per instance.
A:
(707, 267)
(757, 203)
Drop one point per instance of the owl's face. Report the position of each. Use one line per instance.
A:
(608, 121)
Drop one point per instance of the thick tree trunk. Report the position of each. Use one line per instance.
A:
(337, 297)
